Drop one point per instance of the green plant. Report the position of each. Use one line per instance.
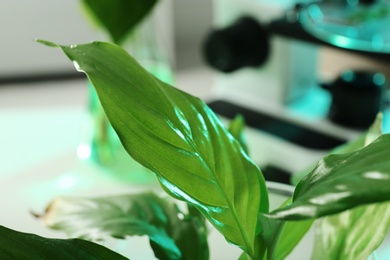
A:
(198, 161)
(117, 18)
(17, 245)
(146, 214)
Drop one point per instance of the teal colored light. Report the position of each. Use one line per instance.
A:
(352, 2)
(348, 76)
(314, 105)
(379, 79)
(315, 12)
(342, 41)
(349, 28)
(386, 122)
(351, 32)
(377, 41)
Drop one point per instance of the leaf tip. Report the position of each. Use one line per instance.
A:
(47, 43)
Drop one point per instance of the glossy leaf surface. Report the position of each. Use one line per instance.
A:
(353, 234)
(193, 226)
(131, 215)
(364, 139)
(179, 138)
(282, 237)
(18, 245)
(343, 181)
(118, 17)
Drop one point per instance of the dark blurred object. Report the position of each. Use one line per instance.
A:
(357, 97)
(286, 130)
(243, 44)
(276, 174)
(368, 2)
(358, 27)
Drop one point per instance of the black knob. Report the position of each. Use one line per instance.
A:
(243, 44)
(357, 97)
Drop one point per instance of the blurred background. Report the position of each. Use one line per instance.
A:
(272, 63)
(63, 21)
(212, 52)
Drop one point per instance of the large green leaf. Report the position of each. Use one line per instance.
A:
(353, 234)
(179, 138)
(118, 17)
(18, 245)
(364, 139)
(129, 215)
(347, 235)
(342, 181)
(356, 233)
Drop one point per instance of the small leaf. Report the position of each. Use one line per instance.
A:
(290, 235)
(179, 138)
(341, 182)
(353, 234)
(191, 226)
(194, 227)
(236, 128)
(128, 215)
(281, 237)
(18, 245)
(374, 131)
(118, 17)
(244, 256)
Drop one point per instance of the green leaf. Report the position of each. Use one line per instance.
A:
(194, 227)
(366, 138)
(290, 235)
(191, 226)
(18, 245)
(281, 237)
(353, 234)
(236, 128)
(179, 138)
(118, 17)
(244, 256)
(341, 182)
(348, 235)
(130, 215)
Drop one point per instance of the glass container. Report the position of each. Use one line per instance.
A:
(148, 43)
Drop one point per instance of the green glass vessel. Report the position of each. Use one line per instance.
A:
(101, 145)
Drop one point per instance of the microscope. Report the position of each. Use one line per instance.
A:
(266, 55)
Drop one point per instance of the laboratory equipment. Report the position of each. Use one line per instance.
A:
(266, 57)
